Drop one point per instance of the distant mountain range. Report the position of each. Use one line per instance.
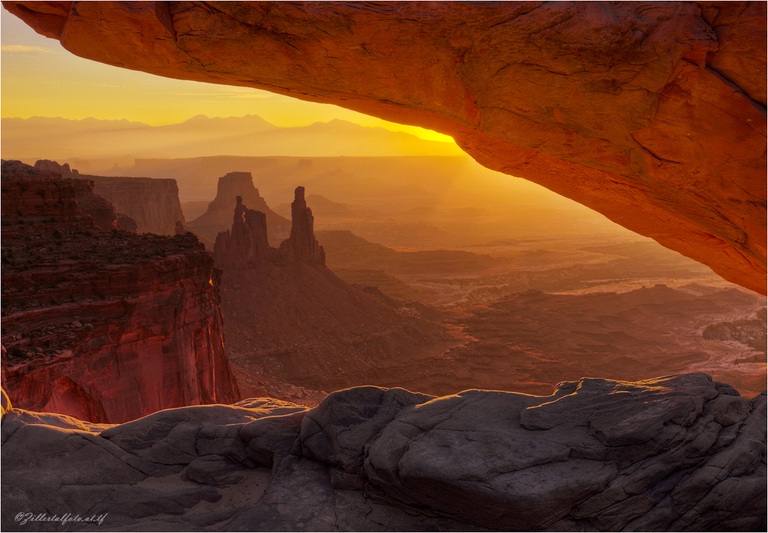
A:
(251, 135)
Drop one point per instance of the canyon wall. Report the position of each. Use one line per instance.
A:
(98, 323)
(650, 113)
(152, 204)
(37, 195)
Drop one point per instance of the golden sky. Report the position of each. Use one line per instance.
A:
(40, 78)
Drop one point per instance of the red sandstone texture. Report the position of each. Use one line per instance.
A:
(35, 194)
(101, 324)
(650, 113)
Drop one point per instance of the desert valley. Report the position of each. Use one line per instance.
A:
(225, 324)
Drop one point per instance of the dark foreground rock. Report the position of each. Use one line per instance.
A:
(676, 453)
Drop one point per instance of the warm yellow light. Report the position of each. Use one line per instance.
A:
(40, 78)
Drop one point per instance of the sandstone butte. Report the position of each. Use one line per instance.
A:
(218, 216)
(650, 113)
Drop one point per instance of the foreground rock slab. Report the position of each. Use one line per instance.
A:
(652, 113)
(674, 453)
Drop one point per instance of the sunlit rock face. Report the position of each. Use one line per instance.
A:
(680, 453)
(650, 113)
(98, 323)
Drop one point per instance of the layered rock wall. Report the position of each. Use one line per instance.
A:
(650, 113)
(103, 325)
(152, 203)
(39, 196)
(144, 205)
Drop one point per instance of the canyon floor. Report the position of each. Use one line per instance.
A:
(517, 315)
(461, 248)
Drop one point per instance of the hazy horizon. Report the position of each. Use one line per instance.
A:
(60, 138)
(40, 78)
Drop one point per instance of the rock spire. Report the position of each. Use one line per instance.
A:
(230, 187)
(247, 241)
(302, 244)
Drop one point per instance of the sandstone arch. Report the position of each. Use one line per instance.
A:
(650, 113)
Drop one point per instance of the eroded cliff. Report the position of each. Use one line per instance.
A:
(650, 113)
(99, 323)
(152, 204)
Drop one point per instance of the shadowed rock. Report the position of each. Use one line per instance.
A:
(247, 242)
(302, 244)
(218, 216)
(675, 453)
(153, 203)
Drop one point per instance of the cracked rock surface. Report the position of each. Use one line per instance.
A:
(674, 453)
(652, 113)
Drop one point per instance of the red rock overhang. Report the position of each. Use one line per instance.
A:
(650, 113)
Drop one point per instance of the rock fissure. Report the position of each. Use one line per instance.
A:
(736, 87)
(659, 158)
